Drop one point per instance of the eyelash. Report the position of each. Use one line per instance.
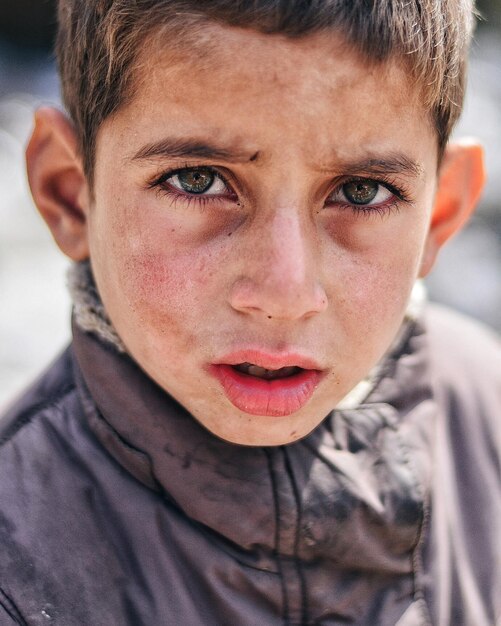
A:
(160, 185)
(399, 195)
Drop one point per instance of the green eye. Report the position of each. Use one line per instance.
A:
(360, 191)
(195, 180)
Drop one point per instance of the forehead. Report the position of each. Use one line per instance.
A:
(258, 89)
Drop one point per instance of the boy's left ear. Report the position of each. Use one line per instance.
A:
(460, 182)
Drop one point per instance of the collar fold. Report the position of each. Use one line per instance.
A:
(354, 492)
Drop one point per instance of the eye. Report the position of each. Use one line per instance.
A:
(197, 181)
(361, 192)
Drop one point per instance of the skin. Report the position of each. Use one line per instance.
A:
(281, 262)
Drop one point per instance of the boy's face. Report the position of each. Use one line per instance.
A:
(261, 201)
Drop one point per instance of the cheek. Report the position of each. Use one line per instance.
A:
(151, 262)
(370, 287)
(374, 294)
(165, 282)
(395, 235)
(172, 292)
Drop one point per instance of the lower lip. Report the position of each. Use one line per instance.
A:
(274, 398)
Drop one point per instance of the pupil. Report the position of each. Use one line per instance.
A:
(196, 181)
(360, 191)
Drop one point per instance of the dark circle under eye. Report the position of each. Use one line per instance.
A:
(196, 180)
(360, 191)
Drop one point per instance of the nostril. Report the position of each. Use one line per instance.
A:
(277, 300)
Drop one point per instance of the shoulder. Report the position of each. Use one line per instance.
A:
(49, 391)
(46, 444)
(462, 351)
(31, 433)
(37, 435)
(464, 361)
(55, 481)
(465, 369)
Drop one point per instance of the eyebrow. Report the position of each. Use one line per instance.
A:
(192, 148)
(395, 163)
(175, 147)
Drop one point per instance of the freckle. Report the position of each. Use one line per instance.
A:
(269, 317)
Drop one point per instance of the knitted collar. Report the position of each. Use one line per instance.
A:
(88, 310)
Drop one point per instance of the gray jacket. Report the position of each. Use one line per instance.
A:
(117, 508)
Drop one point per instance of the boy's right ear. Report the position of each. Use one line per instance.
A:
(57, 181)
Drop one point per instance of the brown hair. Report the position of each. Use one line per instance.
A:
(99, 41)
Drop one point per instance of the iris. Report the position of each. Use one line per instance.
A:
(195, 180)
(361, 191)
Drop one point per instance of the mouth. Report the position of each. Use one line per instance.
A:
(272, 386)
(261, 372)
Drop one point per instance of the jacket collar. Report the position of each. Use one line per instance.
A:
(354, 491)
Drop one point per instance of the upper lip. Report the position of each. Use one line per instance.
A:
(268, 360)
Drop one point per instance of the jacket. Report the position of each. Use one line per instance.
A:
(118, 508)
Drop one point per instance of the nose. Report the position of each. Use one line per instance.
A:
(279, 278)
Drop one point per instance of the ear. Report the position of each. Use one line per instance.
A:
(57, 181)
(460, 182)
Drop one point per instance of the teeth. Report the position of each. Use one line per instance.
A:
(261, 372)
(255, 370)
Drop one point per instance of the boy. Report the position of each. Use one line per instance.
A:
(259, 421)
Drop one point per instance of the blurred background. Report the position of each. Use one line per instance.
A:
(34, 305)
